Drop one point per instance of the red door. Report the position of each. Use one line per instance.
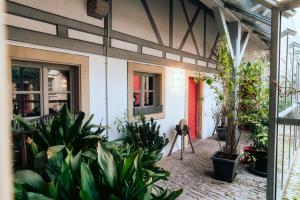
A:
(192, 108)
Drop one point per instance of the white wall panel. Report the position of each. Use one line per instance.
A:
(152, 52)
(172, 56)
(129, 17)
(74, 9)
(174, 108)
(117, 93)
(97, 88)
(124, 45)
(29, 24)
(188, 60)
(79, 35)
(209, 109)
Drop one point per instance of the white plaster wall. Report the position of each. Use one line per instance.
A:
(97, 88)
(117, 93)
(209, 109)
(74, 9)
(174, 108)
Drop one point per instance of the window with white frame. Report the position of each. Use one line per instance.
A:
(41, 89)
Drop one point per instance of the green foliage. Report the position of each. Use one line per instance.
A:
(260, 138)
(254, 102)
(253, 94)
(62, 129)
(145, 135)
(109, 176)
(94, 169)
(225, 94)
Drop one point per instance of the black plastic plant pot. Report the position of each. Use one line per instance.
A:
(225, 169)
(222, 133)
(261, 162)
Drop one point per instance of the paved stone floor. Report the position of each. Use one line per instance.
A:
(194, 175)
(293, 186)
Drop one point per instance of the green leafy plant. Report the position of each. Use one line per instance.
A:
(107, 175)
(225, 95)
(62, 129)
(260, 138)
(94, 169)
(146, 135)
(253, 94)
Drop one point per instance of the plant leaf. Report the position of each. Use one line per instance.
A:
(30, 179)
(107, 165)
(88, 190)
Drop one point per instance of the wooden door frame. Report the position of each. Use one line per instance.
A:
(193, 74)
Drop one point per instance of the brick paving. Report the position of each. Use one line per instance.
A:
(194, 175)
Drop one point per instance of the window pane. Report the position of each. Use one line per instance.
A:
(57, 101)
(136, 83)
(148, 85)
(25, 79)
(27, 105)
(136, 99)
(58, 80)
(148, 99)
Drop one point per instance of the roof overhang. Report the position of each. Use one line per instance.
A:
(284, 5)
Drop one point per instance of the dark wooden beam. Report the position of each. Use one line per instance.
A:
(139, 41)
(204, 35)
(44, 39)
(129, 55)
(35, 14)
(152, 22)
(171, 12)
(191, 30)
(33, 37)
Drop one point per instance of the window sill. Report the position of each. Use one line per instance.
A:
(156, 113)
(147, 110)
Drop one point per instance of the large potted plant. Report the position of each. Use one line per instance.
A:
(225, 160)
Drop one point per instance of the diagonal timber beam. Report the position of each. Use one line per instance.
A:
(154, 27)
(234, 29)
(188, 22)
(222, 27)
(244, 42)
(191, 24)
